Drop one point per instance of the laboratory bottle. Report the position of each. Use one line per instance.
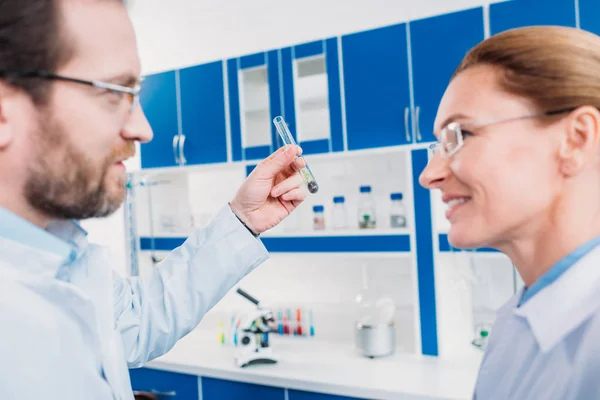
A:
(339, 217)
(318, 217)
(397, 211)
(366, 209)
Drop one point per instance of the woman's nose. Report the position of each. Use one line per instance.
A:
(435, 173)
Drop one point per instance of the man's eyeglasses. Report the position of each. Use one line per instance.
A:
(132, 94)
(451, 137)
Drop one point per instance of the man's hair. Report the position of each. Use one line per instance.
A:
(32, 39)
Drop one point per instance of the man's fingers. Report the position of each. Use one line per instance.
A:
(293, 182)
(296, 196)
(278, 161)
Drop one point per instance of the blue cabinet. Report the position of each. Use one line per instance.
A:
(219, 389)
(159, 102)
(253, 83)
(589, 15)
(438, 45)
(312, 95)
(519, 13)
(203, 124)
(376, 85)
(167, 385)
(302, 395)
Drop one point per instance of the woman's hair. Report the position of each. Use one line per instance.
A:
(557, 68)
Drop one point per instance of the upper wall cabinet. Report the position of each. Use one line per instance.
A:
(589, 15)
(438, 45)
(159, 102)
(204, 135)
(376, 85)
(312, 101)
(254, 100)
(519, 13)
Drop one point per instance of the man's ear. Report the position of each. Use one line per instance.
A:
(6, 130)
(580, 143)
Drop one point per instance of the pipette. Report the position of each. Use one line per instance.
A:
(287, 138)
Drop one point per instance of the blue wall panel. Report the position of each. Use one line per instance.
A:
(425, 262)
(335, 94)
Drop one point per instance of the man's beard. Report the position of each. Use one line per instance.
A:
(63, 184)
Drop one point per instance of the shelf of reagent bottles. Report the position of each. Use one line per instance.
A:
(347, 241)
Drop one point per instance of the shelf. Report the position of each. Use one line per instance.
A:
(384, 243)
(444, 246)
(340, 233)
(342, 155)
(257, 111)
(314, 103)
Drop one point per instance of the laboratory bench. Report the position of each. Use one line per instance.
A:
(199, 367)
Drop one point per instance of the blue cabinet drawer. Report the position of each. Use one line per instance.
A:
(438, 45)
(302, 395)
(220, 389)
(203, 119)
(316, 125)
(589, 15)
(253, 83)
(166, 385)
(159, 102)
(376, 88)
(519, 13)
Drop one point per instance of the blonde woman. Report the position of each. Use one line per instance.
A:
(518, 163)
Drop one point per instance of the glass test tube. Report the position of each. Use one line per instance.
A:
(287, 138)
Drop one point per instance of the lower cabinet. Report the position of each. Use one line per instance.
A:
(301, 395)
(164, 384)
(170, 385)
(219, 389)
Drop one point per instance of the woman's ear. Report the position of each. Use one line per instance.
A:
(580, 143)
(6, 130)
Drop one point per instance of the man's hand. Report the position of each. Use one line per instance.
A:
(272, 191)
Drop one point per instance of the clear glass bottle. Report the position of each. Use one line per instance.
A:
(318, 217)
(339, 217)
(367, 218)
(397, 211)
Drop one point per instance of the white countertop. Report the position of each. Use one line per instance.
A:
(313, 365)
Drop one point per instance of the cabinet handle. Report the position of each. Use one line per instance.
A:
(406, 111)
(182, 159)
(172, 393)
(417, 127)
(175, 139)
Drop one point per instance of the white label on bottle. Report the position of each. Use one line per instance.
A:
(398, 221)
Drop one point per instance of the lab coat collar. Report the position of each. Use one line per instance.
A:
(562, 306)
(34, 250)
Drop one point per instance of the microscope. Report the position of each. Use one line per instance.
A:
(253, 344)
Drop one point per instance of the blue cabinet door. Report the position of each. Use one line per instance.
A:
(589, 15)
(335, 94)
(203, 113)
(242, 100)
(219, 389)
(519, 13)
(376, 85)
(330, 114)
(235, 125)
(159, 102)
(166, 385)
(275, 100)
(438, 45)
(301, 395)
